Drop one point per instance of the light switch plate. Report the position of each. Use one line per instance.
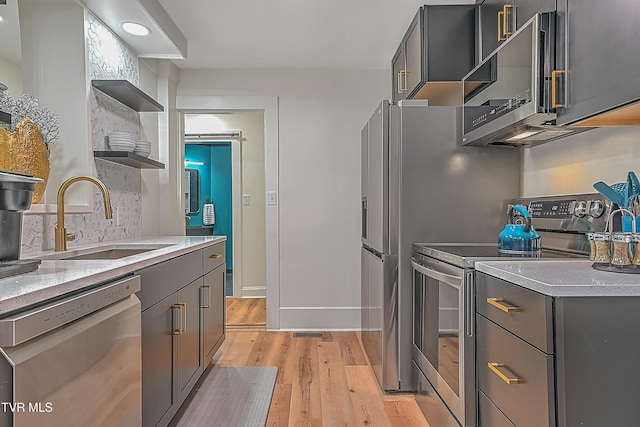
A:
(246, 200)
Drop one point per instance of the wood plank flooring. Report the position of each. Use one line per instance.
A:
(321, 381)
(246, 313)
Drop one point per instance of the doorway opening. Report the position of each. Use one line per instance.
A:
(232, 179)
(210, 202)
(267, 106)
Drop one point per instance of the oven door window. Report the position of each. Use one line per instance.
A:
(438, 327)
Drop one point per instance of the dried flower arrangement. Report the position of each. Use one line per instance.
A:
(28, 107)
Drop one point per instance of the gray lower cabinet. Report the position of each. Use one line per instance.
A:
(171, 354)
(582, 373)
(158, 397)
(183, 315)
(212, 301)
(186, 314)
(516, 376)
(213, 315)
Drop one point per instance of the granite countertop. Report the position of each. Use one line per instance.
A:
(566, 278)
(55, 278)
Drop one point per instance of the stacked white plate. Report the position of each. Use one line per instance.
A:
(143, 148)
(122, 141)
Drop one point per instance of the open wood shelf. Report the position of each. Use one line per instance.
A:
(128, 94)
(129, 159)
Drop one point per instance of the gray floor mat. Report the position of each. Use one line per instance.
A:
(230, 397)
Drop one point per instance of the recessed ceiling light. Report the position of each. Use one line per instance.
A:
(136, 29)
(1, 18)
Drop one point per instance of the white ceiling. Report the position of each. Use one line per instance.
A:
(342, 34)
(337, 34)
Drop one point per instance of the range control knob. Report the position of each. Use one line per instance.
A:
(581, 209)
(596, 209)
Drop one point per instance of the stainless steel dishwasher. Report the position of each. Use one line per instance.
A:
(75, 361)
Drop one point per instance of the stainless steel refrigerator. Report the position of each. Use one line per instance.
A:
(419, 184)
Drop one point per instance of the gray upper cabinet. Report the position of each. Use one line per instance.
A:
(423, 66)
(602, 62)
(407, 62)
(492, 24)
(499, 19)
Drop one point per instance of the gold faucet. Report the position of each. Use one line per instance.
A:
(62, 237)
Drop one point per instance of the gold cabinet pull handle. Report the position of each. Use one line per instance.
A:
(494, 368)
(501, 36)
(497, 302)
(215, 256)
(555, 74)
(505, 20)
(183, 318)
(178, 330)
(206, 301)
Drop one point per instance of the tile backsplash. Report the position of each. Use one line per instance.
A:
(109, 58)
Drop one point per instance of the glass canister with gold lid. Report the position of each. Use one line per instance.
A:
(592, 246)
(600, 248)
(635, 238)
(621, 254)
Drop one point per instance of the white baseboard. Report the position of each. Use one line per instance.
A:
(254, 292)
(319, 318)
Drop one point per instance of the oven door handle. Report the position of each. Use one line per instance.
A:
(450, 279)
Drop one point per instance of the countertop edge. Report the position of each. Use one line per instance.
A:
(22, 291)
(573, 278)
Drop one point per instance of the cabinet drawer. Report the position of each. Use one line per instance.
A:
(529, 316)
(530, 401)
(489, 415)
(165, 278)
(213, 256)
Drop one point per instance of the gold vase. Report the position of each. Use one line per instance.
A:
(24, 151)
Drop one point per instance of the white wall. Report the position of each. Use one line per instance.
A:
(321, 114)
(105, 115)
(571, 165)
(150, 184)
(11, 75)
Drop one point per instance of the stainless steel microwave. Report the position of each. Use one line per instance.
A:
(510, 98)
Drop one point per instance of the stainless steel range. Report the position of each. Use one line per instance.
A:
(443, 300)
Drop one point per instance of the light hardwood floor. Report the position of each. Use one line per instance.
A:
(321, 381)
(246, 314)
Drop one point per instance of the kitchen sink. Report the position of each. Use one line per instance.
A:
(104, 253)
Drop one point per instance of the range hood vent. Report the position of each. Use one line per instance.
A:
(528, 136)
